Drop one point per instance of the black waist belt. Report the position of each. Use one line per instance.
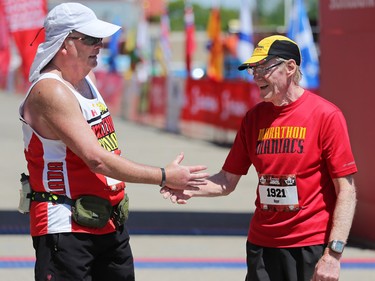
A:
(50, 197)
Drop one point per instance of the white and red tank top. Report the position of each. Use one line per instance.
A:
(54, 168)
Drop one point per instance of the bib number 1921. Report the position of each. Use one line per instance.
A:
(276, 192)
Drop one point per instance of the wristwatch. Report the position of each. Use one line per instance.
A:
(337, 246)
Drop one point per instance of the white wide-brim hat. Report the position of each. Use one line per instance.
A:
(59, 22)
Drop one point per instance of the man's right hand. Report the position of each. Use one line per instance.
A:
(180, 177)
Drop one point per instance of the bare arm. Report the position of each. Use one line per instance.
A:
(345, 208)
(53, 112)
(220, 184)
(328, 267)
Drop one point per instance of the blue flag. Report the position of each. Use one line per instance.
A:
(245, 44)
(113, 46)
(299, 30)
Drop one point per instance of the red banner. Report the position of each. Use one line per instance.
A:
(4, 49)
(111, 87)
(221, 104)
(201, 103)
(236, 98)
(158, 96)
(25, 19)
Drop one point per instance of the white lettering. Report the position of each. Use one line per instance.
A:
(274, 181)
(24, 15)
(350, 4)
(232, 107)
(202, 103)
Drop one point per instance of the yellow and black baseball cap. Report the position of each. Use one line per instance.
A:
(270, 47)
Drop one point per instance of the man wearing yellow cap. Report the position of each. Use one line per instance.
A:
(299, 144)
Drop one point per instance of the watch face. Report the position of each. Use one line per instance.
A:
(337, 246)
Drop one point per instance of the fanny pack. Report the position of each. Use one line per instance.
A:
(91, 211)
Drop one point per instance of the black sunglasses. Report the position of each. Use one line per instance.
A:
(87, 40)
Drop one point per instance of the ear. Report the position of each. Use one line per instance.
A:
(64, 48)
(66, 45)
(291, 67)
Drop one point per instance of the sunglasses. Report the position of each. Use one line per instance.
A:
(87, 40)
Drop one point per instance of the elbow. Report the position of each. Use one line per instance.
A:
(96, 165)
(352, 191)
(96, 159)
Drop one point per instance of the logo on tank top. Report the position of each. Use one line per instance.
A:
(105, 133)
(55, 177)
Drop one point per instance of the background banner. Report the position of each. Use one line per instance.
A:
(220, 104)
(25, 19)
(4, 49)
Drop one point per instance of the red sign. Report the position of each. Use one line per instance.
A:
(4, 49)
(25, 19)
(158, 96)
(201, 102)
(221, 104)
(111, 87)
(236, 99)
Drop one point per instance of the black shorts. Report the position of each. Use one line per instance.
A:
(282, 264)
(84, 257)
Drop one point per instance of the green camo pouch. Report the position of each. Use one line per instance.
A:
(121, 213)
(92, 211)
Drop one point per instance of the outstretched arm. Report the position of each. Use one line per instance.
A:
(53, 111)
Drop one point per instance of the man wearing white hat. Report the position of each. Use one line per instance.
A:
(78, 204)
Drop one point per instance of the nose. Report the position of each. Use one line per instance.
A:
(256, 74)
(99, 44)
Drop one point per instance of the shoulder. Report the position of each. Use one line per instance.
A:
(50, 95)
(50, 88)
(320, 102)
(326, 113)
(47, 85)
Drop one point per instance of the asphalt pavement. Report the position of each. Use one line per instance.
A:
(203, 240)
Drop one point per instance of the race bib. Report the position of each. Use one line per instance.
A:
(278, 193)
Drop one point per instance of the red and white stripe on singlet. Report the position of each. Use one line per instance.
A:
(54, 168)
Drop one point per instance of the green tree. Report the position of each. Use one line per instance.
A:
(262, 16)
(201, 16)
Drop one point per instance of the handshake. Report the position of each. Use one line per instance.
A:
(183, 182)
(179, 183)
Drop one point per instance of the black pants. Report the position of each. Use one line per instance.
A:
(282, 264)
(84, 257)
